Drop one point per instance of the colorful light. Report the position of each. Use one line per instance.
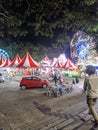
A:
(3, 54)
(81, 46)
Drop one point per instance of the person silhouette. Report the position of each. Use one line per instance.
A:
(91, 88)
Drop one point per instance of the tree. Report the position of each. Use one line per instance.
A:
(63, 40)
(43, 17)
(20, 20)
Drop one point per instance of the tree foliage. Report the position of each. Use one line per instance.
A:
(20, 20)
(37, 51)
(42, 16)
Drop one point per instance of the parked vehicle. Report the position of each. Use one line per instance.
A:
(1, 78)
(33, 82)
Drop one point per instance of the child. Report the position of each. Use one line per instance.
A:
(61, 80)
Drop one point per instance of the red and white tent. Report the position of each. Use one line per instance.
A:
(45, 61)
(28, 62)
(1, 61)
(57, 64)
(15, 61)
(69, 65)
(6, 63)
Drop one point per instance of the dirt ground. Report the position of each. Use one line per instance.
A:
(20, 107)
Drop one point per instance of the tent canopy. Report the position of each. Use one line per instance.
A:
(1, 61)
(15, 61)
(28, 62)
(69, 65)
(45, 61)
(6, 63)
(57, 64)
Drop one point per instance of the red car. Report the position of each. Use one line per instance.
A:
(33, 82)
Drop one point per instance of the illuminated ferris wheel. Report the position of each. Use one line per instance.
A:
(3, 54)
(81, 46)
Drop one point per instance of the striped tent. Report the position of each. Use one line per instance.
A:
(15, 61)
(28, 62)
(6, 63)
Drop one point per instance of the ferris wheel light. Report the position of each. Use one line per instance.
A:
(4, 54)
(81, 46)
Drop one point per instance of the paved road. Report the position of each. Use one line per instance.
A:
(32, 110)
(70, 117)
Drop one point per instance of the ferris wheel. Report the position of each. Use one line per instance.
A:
(81, 46)
(3, 54)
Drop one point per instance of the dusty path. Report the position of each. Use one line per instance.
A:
(18, 108)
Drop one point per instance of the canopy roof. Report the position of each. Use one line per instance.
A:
(45, 61)
(28, 62)
(6, 63)
(46, 58)
(15, 61)
(69, 65)
(1, 61)
(57, 64)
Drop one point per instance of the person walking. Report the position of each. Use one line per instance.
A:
(61, 80)
(91, 89)
(55, 79)
(75, 80)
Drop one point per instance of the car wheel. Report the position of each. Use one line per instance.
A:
(44, 86)
(23, 87)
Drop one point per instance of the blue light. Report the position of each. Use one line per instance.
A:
(81, 50)
(81, 46)
(4, 54)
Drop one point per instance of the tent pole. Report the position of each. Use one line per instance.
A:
(32, 71)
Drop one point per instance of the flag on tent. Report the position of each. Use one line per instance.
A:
(28, 62)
